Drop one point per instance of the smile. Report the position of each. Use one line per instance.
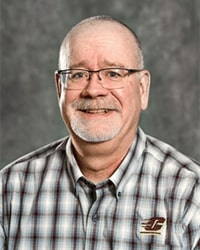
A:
(96, 111)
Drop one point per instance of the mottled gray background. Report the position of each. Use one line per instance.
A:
(31, 32)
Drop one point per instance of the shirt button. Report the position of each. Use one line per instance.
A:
(95, 218)
(119, 194)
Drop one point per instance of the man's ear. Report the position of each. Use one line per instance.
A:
(58, 84)
(145, 81)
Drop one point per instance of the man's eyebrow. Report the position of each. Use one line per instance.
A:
(113, 64)
(81, 64)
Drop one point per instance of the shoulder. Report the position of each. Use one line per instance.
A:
(176, 175)
(35, 158)
(166, 155)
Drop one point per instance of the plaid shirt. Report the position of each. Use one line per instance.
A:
(152, 201)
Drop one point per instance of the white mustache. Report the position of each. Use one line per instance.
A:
(97, 104)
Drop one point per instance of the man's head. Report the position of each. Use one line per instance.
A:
(96, 113)
(96, 20)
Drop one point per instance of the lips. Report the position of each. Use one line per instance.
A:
(98, 106)
(96, 111)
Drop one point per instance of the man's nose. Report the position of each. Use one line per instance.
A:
(97, 73)
(94, 88)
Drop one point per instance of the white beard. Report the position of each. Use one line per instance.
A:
(95, 130)
(89, 130)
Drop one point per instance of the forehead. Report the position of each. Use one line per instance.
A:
(101, 29)
(106, 40)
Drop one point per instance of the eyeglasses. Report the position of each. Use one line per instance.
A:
(111, 78)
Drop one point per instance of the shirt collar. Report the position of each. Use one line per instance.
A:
(129, 166)
(73, 165)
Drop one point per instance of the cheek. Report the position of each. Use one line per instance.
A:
(65, 105)
(131, 108)
(130, 99)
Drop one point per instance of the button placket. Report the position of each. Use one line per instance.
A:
(95, 206)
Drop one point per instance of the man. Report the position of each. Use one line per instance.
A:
(107, 185)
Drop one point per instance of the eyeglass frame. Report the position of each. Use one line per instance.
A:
(129, 72)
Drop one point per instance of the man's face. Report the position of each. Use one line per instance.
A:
(94, 113)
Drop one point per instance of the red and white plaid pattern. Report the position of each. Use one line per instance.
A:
(46, 202)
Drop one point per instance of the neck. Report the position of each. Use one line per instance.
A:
(98, 161)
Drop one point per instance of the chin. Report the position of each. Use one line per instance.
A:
(95, 131)
(95, 137)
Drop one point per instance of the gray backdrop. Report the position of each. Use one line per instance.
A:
(31, 33)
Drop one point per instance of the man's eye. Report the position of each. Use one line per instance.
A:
(76, 75)
(113, 74)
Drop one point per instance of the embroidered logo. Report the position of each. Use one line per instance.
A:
(153, 225)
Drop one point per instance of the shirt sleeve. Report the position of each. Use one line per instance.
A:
(2, 232)
(192, 218)
(2, 238)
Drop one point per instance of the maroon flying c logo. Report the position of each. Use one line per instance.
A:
(152, 225)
